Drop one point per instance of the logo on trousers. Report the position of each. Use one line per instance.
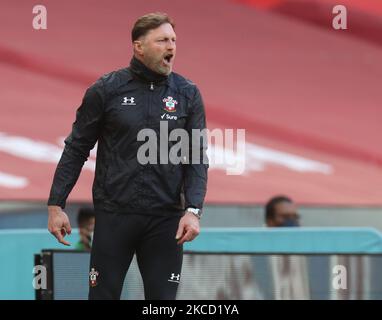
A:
(93, 274)
(174, 278)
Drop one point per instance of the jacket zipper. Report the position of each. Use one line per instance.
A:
(151, 88)
(142, 191)
(150, 106)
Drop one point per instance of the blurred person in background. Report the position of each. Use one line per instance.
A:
(289, 272)
(85, 221)
(281, 211)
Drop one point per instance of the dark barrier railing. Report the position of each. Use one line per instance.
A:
(219, 276)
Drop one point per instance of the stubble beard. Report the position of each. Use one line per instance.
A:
(156, 65)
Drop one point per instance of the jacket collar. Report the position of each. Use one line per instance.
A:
(144, 73)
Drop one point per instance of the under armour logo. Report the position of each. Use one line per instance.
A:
(174, 278)
(128, 101)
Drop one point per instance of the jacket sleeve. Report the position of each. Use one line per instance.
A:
(81, 140)
(195, 178)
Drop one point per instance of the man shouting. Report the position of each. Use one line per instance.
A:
(145, 208)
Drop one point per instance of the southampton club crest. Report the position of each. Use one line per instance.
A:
(93, 274)
(170, 104)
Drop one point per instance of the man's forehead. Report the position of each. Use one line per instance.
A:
(164, 30)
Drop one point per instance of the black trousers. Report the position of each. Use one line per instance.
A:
(117, 237)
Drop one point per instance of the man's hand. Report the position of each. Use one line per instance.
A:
(58, 224)
(188, 229)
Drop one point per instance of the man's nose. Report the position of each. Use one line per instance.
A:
(171, 45)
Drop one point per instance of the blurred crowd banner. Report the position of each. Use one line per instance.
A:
(221, 263)
(235, 276)
(250, 263)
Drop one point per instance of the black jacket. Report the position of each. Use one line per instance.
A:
(109, 115)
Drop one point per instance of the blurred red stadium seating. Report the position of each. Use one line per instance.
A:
(281, 72)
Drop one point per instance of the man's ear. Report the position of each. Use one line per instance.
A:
(138, 46)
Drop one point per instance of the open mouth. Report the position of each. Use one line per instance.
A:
(168, 58)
